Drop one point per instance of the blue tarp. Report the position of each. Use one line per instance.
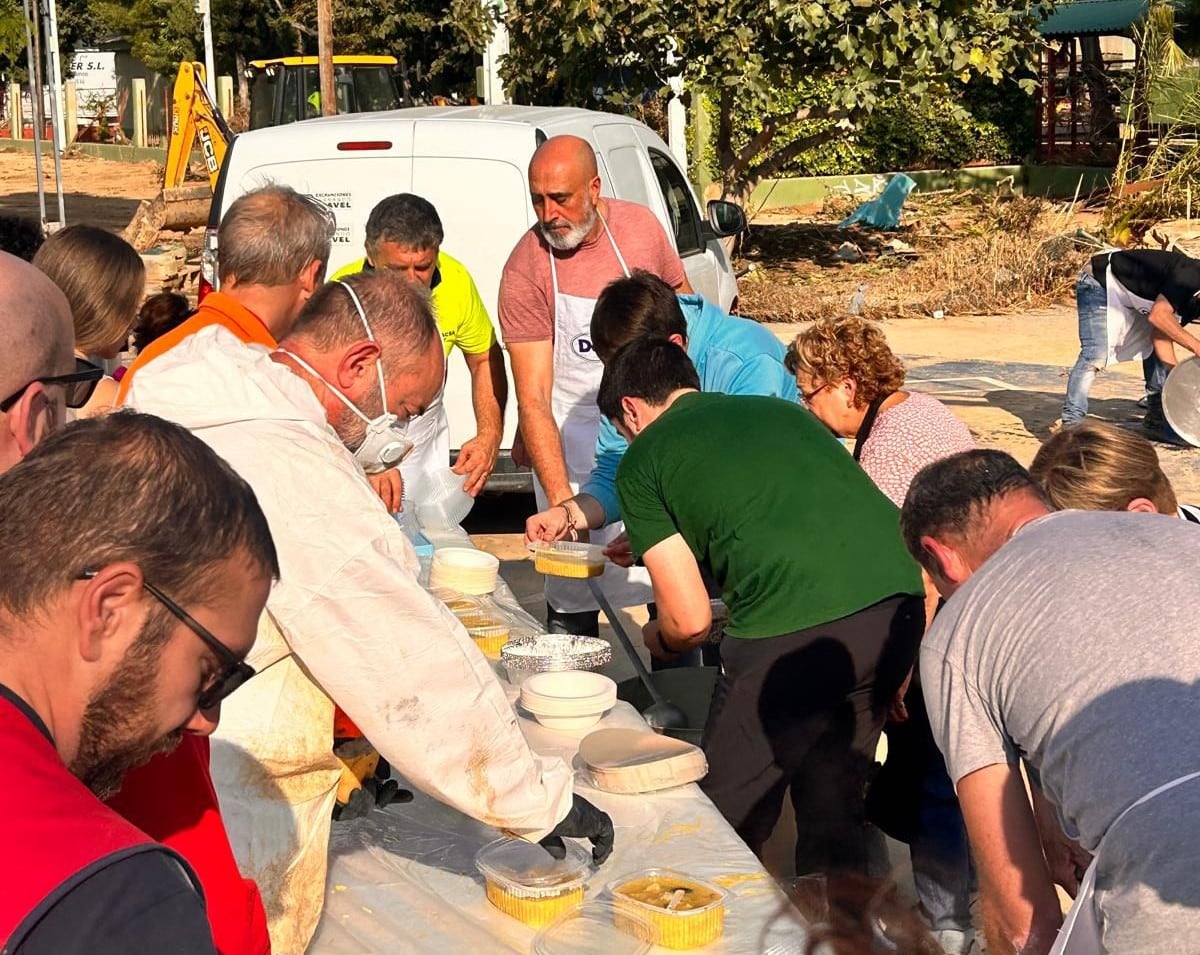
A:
(883, 212)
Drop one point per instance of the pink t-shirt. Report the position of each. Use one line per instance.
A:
(527, 291)
(908, 436)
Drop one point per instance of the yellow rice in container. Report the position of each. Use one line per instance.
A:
(523, 880)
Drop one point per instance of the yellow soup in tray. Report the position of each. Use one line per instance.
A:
(682, 912)
(660, 892)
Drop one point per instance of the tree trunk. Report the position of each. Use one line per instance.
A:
(243, 84)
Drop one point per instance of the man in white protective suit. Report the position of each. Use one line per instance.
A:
(348, 623)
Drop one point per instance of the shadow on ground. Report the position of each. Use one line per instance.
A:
(104, 212)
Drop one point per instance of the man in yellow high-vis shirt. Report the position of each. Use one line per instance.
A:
(404, 234)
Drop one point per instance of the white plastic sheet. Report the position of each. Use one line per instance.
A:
(403, 879)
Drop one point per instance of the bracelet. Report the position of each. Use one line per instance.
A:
(570, 516)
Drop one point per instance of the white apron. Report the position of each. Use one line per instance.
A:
(1129, 331)
(430, 435)
(1081, 930)
(577, 373)
(278, 818)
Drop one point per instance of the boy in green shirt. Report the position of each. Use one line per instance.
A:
(825, 604)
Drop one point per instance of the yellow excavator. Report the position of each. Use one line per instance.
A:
(282, 90)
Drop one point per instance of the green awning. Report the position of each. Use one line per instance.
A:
(1093, 18)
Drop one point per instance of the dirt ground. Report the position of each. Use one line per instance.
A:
(98, 192)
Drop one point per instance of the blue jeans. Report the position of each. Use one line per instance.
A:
(941, 859)
(1155, 373)
(1091, 303)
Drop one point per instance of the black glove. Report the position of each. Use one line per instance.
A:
(584, 821)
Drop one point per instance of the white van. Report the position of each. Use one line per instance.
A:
(471, 163)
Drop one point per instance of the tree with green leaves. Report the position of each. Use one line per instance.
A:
(759, 56)
(12, 33)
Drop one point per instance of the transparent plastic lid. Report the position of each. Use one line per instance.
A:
(570, 550)
(515, 863)
(596, 928)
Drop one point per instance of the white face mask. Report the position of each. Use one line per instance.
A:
(385, 444)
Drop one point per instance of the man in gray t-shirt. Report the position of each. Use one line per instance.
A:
(1069, 642)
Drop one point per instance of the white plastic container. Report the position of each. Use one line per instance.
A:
(443, 502)
(465, 569)
(636, 761)
(568, 700)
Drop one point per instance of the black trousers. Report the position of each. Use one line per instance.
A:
(805, 710)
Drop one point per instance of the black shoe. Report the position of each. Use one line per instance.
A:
(1156, 426)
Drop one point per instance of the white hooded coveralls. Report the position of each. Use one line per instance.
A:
(347, 623)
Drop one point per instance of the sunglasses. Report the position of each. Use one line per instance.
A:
(234, 671)
(79, 384)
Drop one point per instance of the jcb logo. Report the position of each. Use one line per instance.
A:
(206, 147)
(582, 346)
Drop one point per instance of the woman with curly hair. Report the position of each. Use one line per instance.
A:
(850, 379)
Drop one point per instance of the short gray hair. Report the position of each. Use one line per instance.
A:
(407, 220)
(271, 234)
(399, 312)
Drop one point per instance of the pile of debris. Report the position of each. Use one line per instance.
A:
(956, 252)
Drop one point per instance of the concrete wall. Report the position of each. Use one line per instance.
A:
(99, 150)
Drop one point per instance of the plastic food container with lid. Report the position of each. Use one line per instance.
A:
(489, 637)
(683, 912)
(456, 601)
(523, 880)
(568, 559)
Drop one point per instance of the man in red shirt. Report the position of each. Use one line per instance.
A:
(274, 245)
(101, 666)
(548, 290)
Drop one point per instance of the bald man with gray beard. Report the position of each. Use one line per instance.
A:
(36, 346)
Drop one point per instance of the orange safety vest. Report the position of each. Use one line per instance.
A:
(218, 308)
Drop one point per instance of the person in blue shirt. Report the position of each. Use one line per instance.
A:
(733, 356)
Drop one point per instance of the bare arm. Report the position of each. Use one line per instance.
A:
(489, 393)
(684, 613)
(533, 376)
(1163, 320)
(579, 513)
(686, 287)
(1064, 856)
(1021, 913)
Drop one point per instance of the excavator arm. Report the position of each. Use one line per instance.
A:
(194, 117)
